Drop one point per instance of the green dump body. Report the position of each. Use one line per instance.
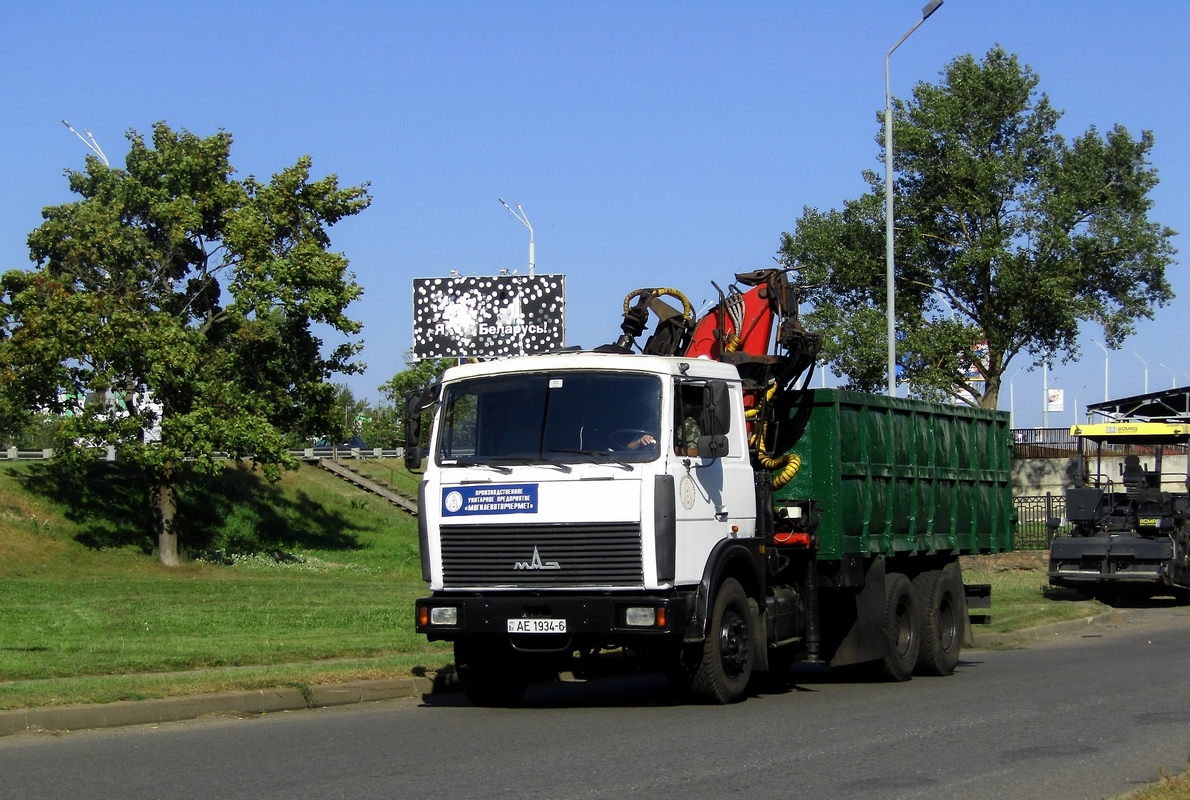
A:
(893, 476)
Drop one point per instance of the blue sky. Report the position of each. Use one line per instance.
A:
(650, 143)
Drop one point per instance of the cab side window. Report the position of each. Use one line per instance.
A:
(689, 417)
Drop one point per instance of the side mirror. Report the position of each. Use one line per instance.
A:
(717, 408)
(712, 446)
(416, 403)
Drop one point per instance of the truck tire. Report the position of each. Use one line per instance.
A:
(902, 627)
(940, 601)
(724, 667)
(488, 673)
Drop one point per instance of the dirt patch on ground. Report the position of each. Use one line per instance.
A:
(1022, 559)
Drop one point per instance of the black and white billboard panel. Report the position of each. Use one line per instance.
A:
(488, 317)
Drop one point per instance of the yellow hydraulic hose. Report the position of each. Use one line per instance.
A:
(687, 308)
(788, 464)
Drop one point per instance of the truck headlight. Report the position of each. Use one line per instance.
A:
(432, 616)
(644, 617)
(444, 615)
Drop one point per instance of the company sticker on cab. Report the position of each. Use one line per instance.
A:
(512, 499)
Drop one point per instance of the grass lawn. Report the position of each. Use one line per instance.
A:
(1021, 595)
(88, 614)
(302, 582)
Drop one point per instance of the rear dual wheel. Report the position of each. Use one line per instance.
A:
(939, 595)
(902, 626)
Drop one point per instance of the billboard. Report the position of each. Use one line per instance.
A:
(488, 317)
(978, 365)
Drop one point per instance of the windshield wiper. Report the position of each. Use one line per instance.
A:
(597, 456)
(475, 462)
(532, 462)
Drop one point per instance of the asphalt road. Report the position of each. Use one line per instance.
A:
(1080, 716)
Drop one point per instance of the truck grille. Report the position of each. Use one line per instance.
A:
(542, 555)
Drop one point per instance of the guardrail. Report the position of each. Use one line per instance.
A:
(315, 453)
(306, 454)
(13, 454)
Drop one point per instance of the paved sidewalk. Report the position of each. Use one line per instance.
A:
(262, 701)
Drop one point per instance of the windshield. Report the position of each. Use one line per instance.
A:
(569, 417)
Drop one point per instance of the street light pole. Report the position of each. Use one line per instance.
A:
(1173, 379)
(1146, 363)
(1012, 399)
(1045, 395)
(90, 142)
(890, 262)
(523, 218)
(1106, 395)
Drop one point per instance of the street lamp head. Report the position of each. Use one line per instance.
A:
(930, 8)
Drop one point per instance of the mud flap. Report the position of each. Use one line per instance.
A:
(866, 639)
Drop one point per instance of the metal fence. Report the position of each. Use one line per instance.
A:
(1032, 533)
(1058, 443)
(1043, 443)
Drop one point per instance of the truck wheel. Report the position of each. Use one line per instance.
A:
(722, 673)
(902, 626)
(488, 673)
(940, 601)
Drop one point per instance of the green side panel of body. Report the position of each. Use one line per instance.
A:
(893, 476)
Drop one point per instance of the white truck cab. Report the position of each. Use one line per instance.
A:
(544, 471)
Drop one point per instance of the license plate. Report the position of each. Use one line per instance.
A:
(537, 625)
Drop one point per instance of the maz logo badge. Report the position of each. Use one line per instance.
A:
(536, 563)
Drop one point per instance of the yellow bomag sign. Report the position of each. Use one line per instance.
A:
(1145, 432)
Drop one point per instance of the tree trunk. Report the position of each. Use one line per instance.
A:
(991, 393)
(165, 504)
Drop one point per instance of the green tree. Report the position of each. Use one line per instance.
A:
(418, 374)
(183, 302)
(1007, 238)
(381, 427)
(350, 415)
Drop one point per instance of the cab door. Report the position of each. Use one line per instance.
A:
(707, 458)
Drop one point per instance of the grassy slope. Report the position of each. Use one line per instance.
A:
(89, 615)
(85, 604)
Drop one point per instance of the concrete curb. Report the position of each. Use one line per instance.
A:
(173, 709)
(985, 639)
(263, 701)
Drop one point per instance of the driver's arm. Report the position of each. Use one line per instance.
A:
(643, 441)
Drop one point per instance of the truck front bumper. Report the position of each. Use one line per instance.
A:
(550, 621)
